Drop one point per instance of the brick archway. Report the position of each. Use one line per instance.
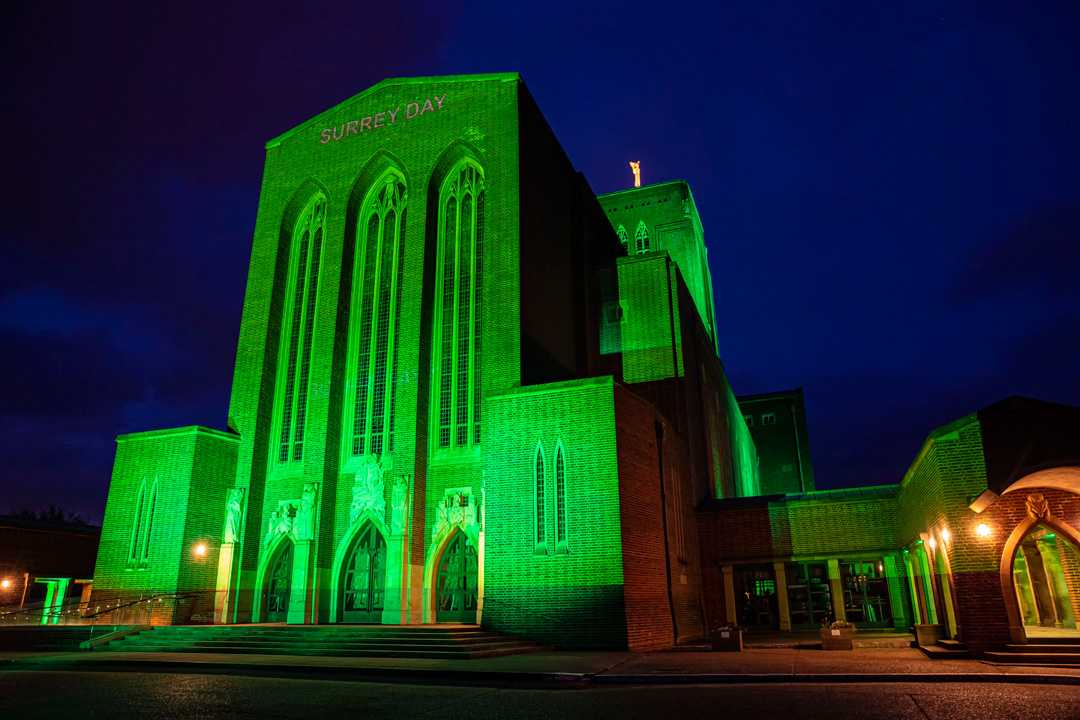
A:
(1038, 513)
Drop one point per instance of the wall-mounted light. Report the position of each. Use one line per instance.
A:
(5, 583)
(199, 550)
(932, 543)
(946, 535)
(983, 530)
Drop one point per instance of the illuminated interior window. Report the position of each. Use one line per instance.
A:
(375, 315)
(641, 238)
(541, 499)
(457, 326)
(624, 238)
(768, 419)
(298, 318)
(560, 498)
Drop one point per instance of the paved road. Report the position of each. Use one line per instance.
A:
(161, 695)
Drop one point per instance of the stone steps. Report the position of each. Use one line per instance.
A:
(946, 650)
(1039, 651)
(421, 641)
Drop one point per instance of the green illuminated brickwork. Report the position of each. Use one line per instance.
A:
(167, 492)
(435, 412)
(663, 216)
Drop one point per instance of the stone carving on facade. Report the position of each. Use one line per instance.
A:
(280, 521)
(234, 513)
(368, 491)
(1037, 506)
(304, 527)
(457, 509)
(399, 504)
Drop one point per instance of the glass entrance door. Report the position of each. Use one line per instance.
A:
(866, 592)
(755, 590)
(365, 578)
(809, 598)
(455, 585)
(276, 595)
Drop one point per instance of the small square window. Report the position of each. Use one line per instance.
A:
(768, 419)
(749, 420)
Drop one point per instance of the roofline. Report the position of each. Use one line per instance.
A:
(390, 82)
(185, 430)
(939, 433)
(650, 186)
(753, 397)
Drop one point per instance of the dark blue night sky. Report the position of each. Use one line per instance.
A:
(890, 194)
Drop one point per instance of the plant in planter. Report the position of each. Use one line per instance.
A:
(727, 637)
(838, 635)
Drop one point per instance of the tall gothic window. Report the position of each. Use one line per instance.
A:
(150, 522)
(560, 498)
(541, 501)
(641, 238)
(457, 327)
(375, 314)
(624, 238)
(298, 317)
(137, 525)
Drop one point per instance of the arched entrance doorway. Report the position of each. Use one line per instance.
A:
(364, 581)
(1043, 562)
(456, 581)
(277, 584)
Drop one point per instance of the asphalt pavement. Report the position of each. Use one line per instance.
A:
(159, 696)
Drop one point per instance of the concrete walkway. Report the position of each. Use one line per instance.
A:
(573, 668)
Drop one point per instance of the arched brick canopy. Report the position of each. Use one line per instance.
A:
(1038, 513)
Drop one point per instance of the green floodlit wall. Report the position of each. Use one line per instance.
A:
(651, 335)
(569, 594)
(667, 213)
(745, 464)
(453, 118)
(147, 535)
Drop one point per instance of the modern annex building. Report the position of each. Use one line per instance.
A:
(469, 390)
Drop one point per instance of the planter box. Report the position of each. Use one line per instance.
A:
(926, 635)
(837, 638)
(727, 640)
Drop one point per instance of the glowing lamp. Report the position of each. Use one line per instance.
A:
(5, 583)
(932, 543)
(199, 550)
(946, 535)
(983, 530)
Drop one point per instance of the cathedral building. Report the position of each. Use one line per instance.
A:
(469, 390)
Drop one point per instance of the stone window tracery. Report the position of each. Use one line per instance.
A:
(375, 313)
(298, 319)
(457, 326)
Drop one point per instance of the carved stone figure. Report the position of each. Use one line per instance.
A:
(456, 510)
(305, 512)
(398, 504)
(234, 511)
(1037, 506)
(368, 491)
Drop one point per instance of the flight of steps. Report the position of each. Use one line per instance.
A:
(389, 641)
(1039, 651)
(946, 650)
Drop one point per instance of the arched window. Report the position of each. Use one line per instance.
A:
(375, 312)
(457, 327)
(541, 501)
(149, 522)
(641, 238)
(298, 317)
(624, 238)
(560, 498)
(137, 524)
